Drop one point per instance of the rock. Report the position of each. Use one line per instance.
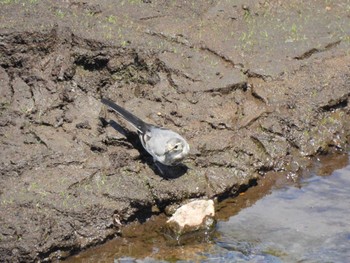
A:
(83, 125)
(194, 216)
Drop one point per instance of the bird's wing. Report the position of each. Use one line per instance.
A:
(154, 142)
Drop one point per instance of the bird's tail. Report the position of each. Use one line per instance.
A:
(139, 124)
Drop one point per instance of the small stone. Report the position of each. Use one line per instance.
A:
(191, 217)
(98, 147)
(83, 125)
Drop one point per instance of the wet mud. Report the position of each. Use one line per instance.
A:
(253, 86)
(150, 242)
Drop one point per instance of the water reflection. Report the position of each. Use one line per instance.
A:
(277, 221)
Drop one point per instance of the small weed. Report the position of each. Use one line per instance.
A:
(294, 34)
(101, 180)
(247, 16)
(132, 2)
(247, 38)
(7, 201)
(265, 34)
(294, 29)
(88, 188)
(63, 194)
(90, 13)
(346, 38)
(213, 63)
(26, 110)
(7, 2)
(65, 197)
(174, 50)
(33, 186)
(124, 43)
(43, 193)
(112, 19)
(59, 13)
(108, 35)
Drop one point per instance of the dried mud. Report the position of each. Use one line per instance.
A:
(251, 85)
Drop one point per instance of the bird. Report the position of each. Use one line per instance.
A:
(165, 146)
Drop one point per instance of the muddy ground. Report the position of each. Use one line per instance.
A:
(255, 86)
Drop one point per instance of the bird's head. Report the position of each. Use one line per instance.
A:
(176, 150)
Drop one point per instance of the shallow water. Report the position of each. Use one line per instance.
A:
(303, 221)
(308, 223)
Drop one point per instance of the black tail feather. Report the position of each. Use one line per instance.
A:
(139, 124)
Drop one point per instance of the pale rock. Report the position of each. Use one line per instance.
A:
(194, 216)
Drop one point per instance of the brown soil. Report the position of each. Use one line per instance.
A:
(254, 86)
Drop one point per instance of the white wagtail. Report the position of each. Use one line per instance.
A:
(165, 146)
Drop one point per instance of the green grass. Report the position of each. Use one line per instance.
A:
(111, 19)
(8, 2)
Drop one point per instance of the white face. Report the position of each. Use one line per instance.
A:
(177, 150)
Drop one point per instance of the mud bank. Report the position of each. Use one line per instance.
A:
(251, 92)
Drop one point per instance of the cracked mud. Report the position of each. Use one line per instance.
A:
(252, 86)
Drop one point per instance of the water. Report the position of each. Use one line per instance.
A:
(277, 221)
(309, 223)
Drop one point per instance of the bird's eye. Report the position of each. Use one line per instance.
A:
(177, 146)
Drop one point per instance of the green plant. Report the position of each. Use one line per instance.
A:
(7, 2)
(59, 13)
(111, 19)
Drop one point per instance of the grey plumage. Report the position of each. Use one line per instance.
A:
(165, 146)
